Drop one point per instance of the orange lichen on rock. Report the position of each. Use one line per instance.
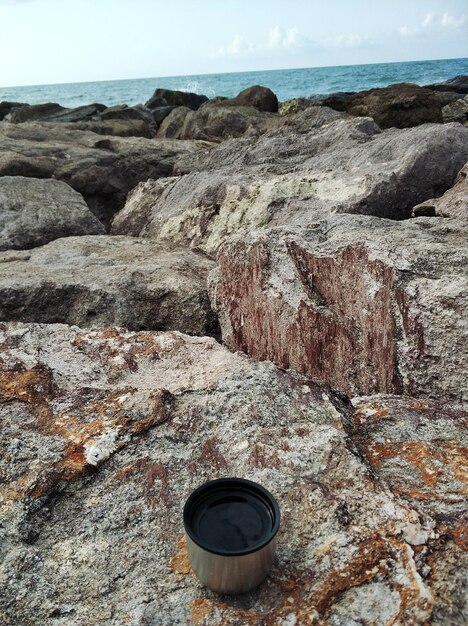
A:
(180, 560)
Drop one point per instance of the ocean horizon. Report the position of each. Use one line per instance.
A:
(287, 84)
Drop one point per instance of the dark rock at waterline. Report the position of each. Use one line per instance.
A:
(458, 84)
(77, 114)
(261, 98)
(6, 107)
(125, 112)
(33, 112)
(164, 97)
(399, 106)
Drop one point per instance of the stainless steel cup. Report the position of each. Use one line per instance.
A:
(231, 526)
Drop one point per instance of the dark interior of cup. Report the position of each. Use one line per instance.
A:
(231, 516)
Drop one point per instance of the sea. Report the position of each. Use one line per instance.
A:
(287, 84)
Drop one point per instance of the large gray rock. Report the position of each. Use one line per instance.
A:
(261, 98)
(453, 204)
(105, 433)
(364, 304)
(102, 169)
(456, 111)
(96, 280)
(215, 123)
(35, 211)
(6, 107)
(322, 162)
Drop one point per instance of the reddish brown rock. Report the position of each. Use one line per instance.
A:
(106, 432)
(364, 304)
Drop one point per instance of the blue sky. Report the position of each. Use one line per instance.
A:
(54, 41)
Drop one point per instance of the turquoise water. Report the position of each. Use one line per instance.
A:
(286, 84)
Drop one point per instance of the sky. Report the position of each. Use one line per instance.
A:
(62, 41)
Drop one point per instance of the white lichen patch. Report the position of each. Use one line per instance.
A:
(100, 449)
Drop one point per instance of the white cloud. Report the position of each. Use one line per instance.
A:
(433, 22)
(349, 41)
(279, 40)
(450, 21)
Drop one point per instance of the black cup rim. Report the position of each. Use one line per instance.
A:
(242, 484)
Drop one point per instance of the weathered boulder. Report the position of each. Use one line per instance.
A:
(458, 84)
(322, 162)
(456, 111)
(6, 107)
(160, 113)
(215, 123)
(96, 280)
(106, 433)
(366, 305)
(34, 212)
(163, 97)
(102, 169)
(261, 98)
(399, 106)
(419, 450)
(454, 202)
(115, 127)
(78, 114)
(33, 112)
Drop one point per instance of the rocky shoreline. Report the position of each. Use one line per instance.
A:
(196, 288)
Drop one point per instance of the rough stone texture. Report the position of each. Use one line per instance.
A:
(163, 97)
(78, 114)
(261, 98)
(453, 204)
(215, 123)
(420, 451)
(398, 106)
(320, 163)
(6, 107)
(34, 212)
(96, 280)
(32, 112)
(458, 84)
(456, 111)
(366, 305)
(115, 127)
(102, 169)
(107, 432)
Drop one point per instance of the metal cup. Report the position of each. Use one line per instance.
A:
(231, 526)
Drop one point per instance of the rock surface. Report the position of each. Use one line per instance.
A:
(102, 169)
(34, 212)
(456, 111)
(322, 162)
(96, 280)
(261, 98)
(453, 204)
(34, 112)
(420, 451)
(458, 84)
(398, 106)
(107, 432)
(215, 123)
(164, 97)
(6, 107)
(366, 305)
